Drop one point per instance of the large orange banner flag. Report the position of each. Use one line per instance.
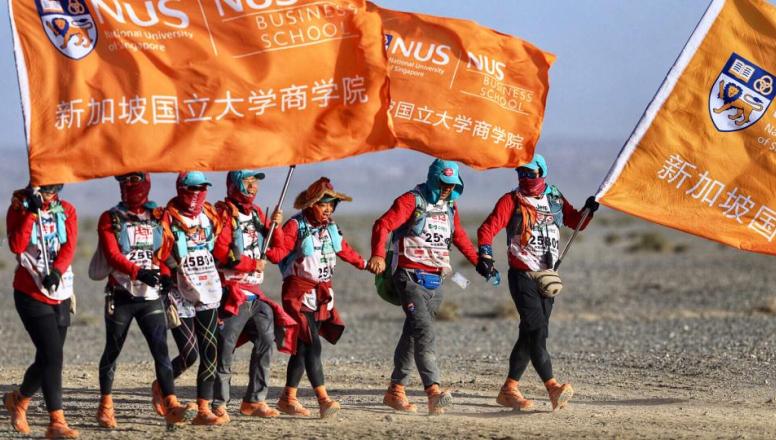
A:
(703, 157)
(462, 92)
(113, 86)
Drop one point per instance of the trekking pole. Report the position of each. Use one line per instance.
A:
(279, 205)
(585, 215)
(42, 238)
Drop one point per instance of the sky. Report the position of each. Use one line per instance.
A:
(612, 56)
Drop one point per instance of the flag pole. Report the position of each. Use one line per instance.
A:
(585, 215)
(42, 237)
(279, 205)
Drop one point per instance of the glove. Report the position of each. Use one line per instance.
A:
(485, 266)
(51, 281)
(34, 202)
(148, 277)
(591, 205)
(165, 283)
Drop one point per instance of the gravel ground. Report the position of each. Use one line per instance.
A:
(663, 336)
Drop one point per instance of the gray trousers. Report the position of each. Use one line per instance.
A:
(420, 307)
(261, 356)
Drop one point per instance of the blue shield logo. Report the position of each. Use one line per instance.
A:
(741, 94)
(69, 26)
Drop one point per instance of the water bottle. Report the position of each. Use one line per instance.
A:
(495, 279)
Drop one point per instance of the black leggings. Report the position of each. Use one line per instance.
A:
(307, 357)
(152, 322)
(534, 310)
(47, 327)
(197, 336)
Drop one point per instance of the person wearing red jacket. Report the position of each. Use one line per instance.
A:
(425, 224)
(190, 226)
(308, 253)
(129, 234)
(533, 215)
(43, 293)
(245, 309)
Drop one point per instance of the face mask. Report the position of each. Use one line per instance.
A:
(135, 194)
(532, 187)
(191, 202)
(242, 199)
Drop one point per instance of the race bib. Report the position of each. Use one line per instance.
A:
(198, 279)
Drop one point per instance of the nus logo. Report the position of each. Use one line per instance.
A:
(421, 51)
(484, 64)
(152, 13)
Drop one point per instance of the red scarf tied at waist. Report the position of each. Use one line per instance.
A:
(330, 325)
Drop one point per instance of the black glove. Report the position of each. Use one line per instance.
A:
(165, 284)
(51, 281)
(34, 202)
(591, 205)
(485, 266)
(148, 276)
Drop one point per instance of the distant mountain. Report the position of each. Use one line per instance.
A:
(373, 180)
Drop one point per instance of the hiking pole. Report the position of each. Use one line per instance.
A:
(42, 238)
(279, 205)
(585, 215)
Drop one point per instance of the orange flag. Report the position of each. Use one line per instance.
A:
(703, 157)
(462, 92)
(114, 86)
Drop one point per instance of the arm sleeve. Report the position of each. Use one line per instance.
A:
(67, 251)
(497, 220)
(110, 247)
(19, 224)
(571, 216)
(400, 213)
(351, 256)
(462, 241)
(224, 240)
(287, 243)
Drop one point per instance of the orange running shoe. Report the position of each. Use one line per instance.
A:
(205, 416)
(511, 397)
(258, 409)
(396, 398)
(438, 400)
(17, 405)
(559, 394)
(289, 405)
(58, 426)
(106, 416)
(176, 413)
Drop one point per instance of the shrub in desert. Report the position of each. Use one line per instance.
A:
(504, 310)
(612, 238)
(448, 311)
(650, 242)
(768, 307)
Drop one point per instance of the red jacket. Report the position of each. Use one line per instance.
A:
(400, 213)
(287, 244)
(106, 235)
(502, 213)
(19, 224)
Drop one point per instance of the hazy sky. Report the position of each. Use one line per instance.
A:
(612, 56)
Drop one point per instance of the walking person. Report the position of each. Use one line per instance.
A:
(425, 225)
(43, 294)
(190, 226)
(245, 309)
(129, 235)
(308, 253)
(533, 215)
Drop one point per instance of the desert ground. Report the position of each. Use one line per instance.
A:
(662, 335)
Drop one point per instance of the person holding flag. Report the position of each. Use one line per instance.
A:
(129, 235)
(308, 253)
(190, 227)
(42, 232)
(533, 215)
(245, 310)
(425, 224)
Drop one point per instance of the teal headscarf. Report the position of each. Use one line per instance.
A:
(442, 171)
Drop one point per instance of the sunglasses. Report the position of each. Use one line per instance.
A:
(51, 189)
(197, 188)
(130, 178)
(526, 174)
